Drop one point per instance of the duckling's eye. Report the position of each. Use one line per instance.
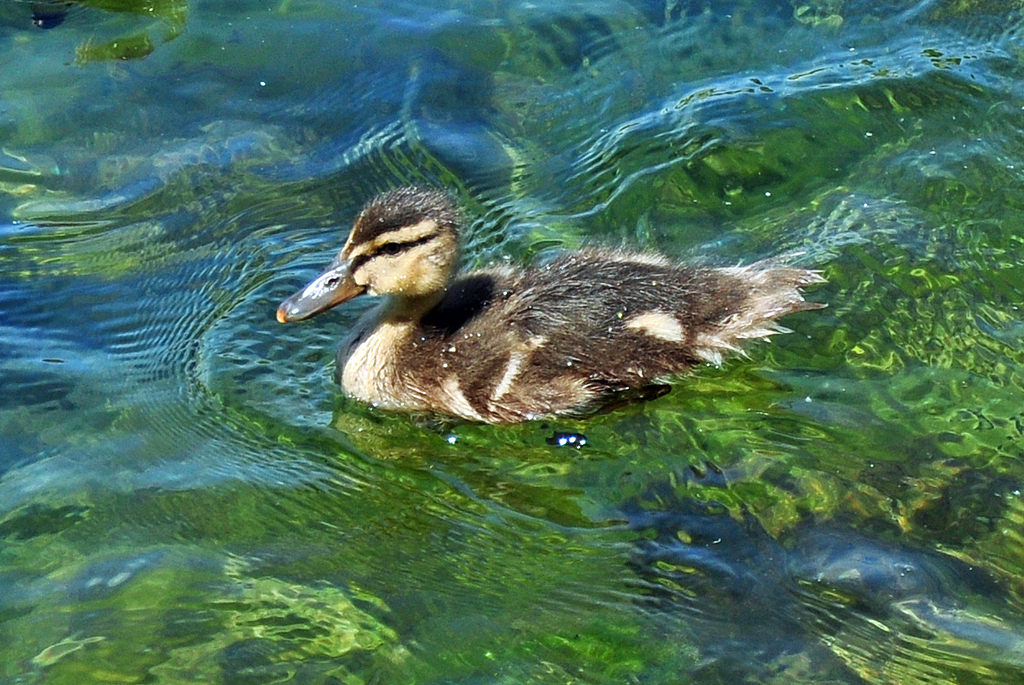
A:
(390, 249)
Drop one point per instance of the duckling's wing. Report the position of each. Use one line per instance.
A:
(602, 323)
(588, 328)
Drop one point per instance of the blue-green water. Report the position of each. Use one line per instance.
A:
(184, 497)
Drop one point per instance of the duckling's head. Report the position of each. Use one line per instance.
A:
(404, 243)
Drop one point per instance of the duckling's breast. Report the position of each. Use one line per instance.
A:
(368, 365)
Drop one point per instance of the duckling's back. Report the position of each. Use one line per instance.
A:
(587, 329)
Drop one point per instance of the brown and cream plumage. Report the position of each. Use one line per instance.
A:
(505, 345)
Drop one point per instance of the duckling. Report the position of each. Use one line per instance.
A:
(505, 345)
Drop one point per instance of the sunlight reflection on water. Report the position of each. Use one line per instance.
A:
(184, 495)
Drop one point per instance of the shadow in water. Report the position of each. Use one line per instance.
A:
(845, 604)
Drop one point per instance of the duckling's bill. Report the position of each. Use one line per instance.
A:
(327, 290)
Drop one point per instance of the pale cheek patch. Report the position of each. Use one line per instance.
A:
(658, 325)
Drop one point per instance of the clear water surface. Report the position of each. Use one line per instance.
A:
(184, 497)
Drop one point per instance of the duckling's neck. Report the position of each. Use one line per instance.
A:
(405, 309)
(369, 362)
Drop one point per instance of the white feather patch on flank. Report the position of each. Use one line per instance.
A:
(658, 325)
(516, 359)
(515, 365)
(458, 404)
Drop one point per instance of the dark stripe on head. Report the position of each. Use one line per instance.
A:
(391, 249)
(404, 207)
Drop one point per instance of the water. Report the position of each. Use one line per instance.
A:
(185, 497)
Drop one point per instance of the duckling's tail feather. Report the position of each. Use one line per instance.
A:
(771, 292)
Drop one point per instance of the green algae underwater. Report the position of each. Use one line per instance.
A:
(186, 497)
